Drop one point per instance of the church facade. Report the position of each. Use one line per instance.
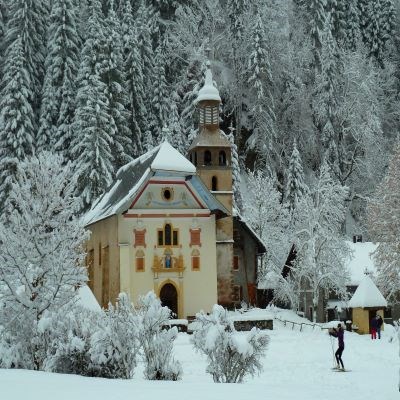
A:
(167, 224)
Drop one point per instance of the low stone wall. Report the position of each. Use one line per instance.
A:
(247, 325)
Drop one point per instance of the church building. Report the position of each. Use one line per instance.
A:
(167, 224)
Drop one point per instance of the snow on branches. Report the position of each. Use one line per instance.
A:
(230, 355)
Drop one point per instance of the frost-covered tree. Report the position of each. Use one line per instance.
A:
(94, 127)
(133, 70)
(41, 257)
(264, 211)
(230, 356)
(110, 71)
(161, 94)
(295, 185)
(16, 117)
(384, 228)
(26, 25)
(157, 343)
(321, 251)
(351, 19)
(61, 68)
(236, 179)
(263, 137)
(377, 20)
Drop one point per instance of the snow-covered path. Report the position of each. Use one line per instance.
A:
(297, 366)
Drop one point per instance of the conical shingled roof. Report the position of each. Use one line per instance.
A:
(367, 295)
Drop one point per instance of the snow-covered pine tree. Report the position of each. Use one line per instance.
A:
(236, 179)
(229, 359)
(145, 27)
(41, 257)
(161, 95)
(2, 25)
(61, 68)
(178, 139)
(112, 74)
(384, 228)
(296, 187)
(95, 129)
(336, 10)
(352, 33)
(377, 21)
(26, 23)
(315, 12)
(320, 248)
(188, 90)
(263, 138)
(133, 71)
(16, 116)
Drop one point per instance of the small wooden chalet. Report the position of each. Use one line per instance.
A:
(366, 302)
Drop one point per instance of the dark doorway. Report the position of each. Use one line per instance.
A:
(169, 298)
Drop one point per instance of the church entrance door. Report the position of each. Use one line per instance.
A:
(169, 298)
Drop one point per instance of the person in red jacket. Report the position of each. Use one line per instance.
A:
(339, 333)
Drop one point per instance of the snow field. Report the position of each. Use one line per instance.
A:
(297, 365)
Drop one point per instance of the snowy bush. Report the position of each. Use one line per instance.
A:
(114, 346)
(41, 255)
(230, 355)
(157, 343)
(67, 335)
(89, 343)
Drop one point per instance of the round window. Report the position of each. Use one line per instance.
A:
(167, 194)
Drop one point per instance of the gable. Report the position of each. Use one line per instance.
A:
(168, 194)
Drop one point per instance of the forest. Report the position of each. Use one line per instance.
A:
(310, 94)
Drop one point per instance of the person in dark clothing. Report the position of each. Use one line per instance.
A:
(374, 327)
(379, 323)
(339, 333)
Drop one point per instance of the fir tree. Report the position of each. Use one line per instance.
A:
(295, 185)
(352, 25)
(133, 69)
(16, 116)
(26, 23)
(161, 94)
(237, 195)
(260, 80)
(111, 73)
(61, 65)
(94, 142)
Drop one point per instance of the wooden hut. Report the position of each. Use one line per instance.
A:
(366, 302)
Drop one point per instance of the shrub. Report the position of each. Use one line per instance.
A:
(230, 355)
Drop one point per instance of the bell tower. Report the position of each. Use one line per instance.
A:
(211, 152)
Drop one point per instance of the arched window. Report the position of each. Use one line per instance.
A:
(195, 260)
(207, 157)
(167, 236)
(190, 157)
(139, 257)
(222, 158)
(195, 159)
(214, 183)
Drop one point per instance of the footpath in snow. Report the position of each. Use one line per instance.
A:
(297, 366)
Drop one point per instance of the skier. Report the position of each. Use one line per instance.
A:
(339, 333)
(379, 323)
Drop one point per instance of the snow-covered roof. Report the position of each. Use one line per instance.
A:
(361, 261)
(367, 295)
(208, 91)
(163, 159)
(87, 300)
(262, 248)
(169, 159)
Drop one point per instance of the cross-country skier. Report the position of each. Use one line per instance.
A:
(339, 333)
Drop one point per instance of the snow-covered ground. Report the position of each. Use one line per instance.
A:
(297, 366)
